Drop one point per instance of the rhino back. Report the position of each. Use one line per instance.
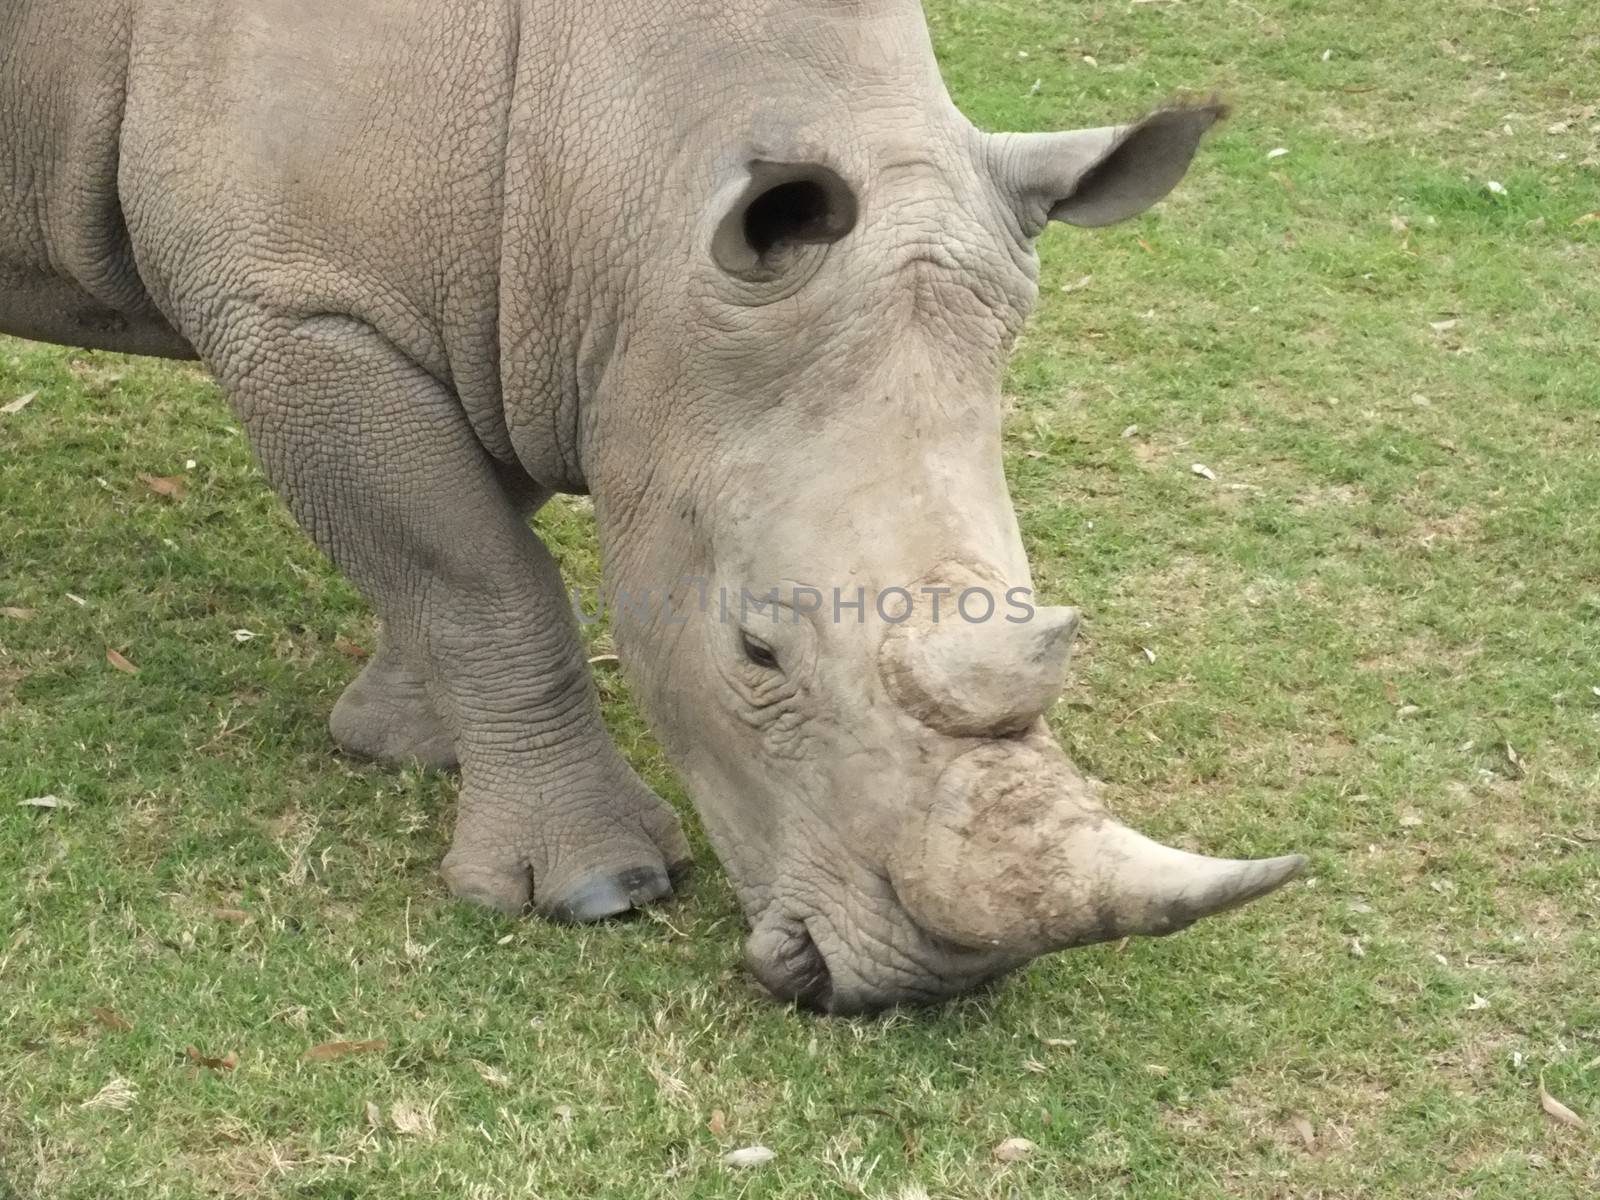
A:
(67, 270)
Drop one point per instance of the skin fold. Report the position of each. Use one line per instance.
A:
(741, 271)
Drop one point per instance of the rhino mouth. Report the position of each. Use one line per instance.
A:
(786, 960)
(784, 956)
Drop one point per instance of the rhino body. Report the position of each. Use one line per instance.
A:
(737, 268)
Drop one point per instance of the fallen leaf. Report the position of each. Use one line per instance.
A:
(491, 1076)
(1478, 1003)
(562, 1112)
(718, 1124)
(1145, 246)
(1556, 1109)
(349, 649)
(17, 614)
(1277, 152)
(1060, 1043)
(227, 1063)
(44, 802)
(1407, 710)
(20, 403)
(170, 486)
(1444, 326)
(117, 660)
(1157, 1070)
(1308, 1135)
(1014, 1150)
(1517, 763)
(1202, 470)
(603, 658)
(1391, 693)
(1495, 186)
(748, 1156)
(1588, 218)
(1357, 950)
(1130, 431)
(233, 916)
(1149, 654)
(111, 1020)
(1091, 60)
(374, 1115)
(1077, 285)
(118, 1094)
(328, 1051)
(78, 600)
(413, 1120)
(671, 1086)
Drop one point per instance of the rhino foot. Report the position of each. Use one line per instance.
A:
(585, 855)
(385, 714)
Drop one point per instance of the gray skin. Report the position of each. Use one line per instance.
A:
(737, 268)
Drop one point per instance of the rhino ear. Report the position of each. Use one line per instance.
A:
(1099, 176)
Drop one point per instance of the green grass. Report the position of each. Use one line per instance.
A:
(1394, 577)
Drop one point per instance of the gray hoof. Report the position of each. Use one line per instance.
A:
(385, 715)
(596, 897)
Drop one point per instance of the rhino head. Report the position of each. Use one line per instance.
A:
(793, 438)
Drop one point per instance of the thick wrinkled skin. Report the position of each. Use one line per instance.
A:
(449, 257)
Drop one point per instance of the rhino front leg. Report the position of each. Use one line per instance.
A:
(378, 461)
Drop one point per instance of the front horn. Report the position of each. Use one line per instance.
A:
(1015, 855)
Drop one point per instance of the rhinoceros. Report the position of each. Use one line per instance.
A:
(737, 269)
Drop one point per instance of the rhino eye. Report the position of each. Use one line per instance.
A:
(758, 651)
(784, 211)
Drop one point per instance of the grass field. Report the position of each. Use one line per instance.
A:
(1375, 639)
